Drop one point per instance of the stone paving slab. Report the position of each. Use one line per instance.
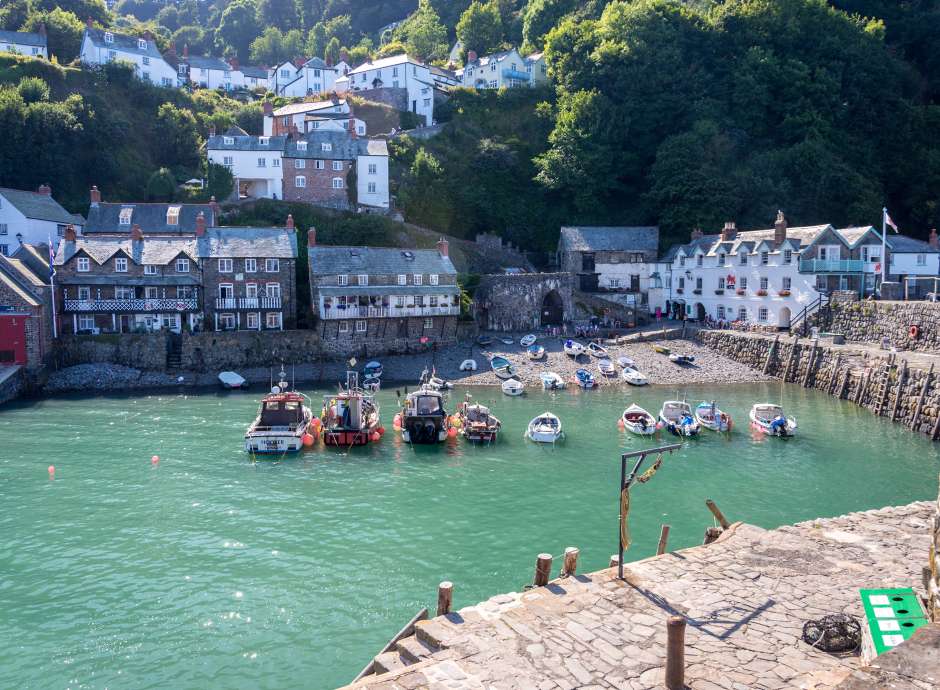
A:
(745, 599)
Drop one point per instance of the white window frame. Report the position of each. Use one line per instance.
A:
(362, 326)
(273, 320)
(418, 278)
(272, 265)
(124, 217)
(787, 256)
(342, 280)
(120, 264)
(84, 293)
(251, 290)
(300, 164)
(300, 182)
(921, 259)
(433, 279)
(301, 145)
(325, 146)
(371, 188)
(338, 166)
(150, 269)
(251, 265)
(428, 324)
(402, 279)
(764, 258)
(762, 314)
(764, 283)
(86, 322)
(337, 183)
(272, 290)
(373, 169)
(786, 282)
(182, 265)
(226, 265)
(319, 164)
(362, 279)
(253, 321)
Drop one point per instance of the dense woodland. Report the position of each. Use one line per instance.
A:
(659, 111)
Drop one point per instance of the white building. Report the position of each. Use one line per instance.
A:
(208, 72)
(100, 47)
(612, 259)
(397, 72)
(911, 258)
(252, 77)
(312, 78)
(309, 116)
(536, 69)
(255, 162)
(372, 174)
(25, 43)
(507, 69)
(32, 218)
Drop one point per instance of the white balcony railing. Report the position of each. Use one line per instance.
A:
(132, 305)
(385, 312)
(248, 303)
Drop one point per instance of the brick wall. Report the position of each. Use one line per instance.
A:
(319, 183)
(38, 326)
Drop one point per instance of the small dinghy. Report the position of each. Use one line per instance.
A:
(372, 370)
(502, 367)
(484, 340)
(527, 340)
(229, 379)
(634, 377)
(468, 365)
(625, 362)
(372, 383)
(710, 417)
(546, 428)
(676, 416)
(597, 350)
(606, 367)
(661, 349)
(513, 387)
(681, 360)
(507, 341)
(638, 421)
(535, 352)
(552, 381)
(573, 348)
(585, 378)
(770, 419)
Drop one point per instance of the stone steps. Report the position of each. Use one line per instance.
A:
(413, 650)
(410, 650)
(388, 662)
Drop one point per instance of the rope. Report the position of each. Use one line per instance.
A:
(646, 476)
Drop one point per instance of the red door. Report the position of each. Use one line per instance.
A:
(13, 339)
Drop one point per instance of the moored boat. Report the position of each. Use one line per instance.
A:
(351, 416)
(770, 419)
(681, 360)
(634, 376)
(468, 365)
(676, 416)
(372, 370)
(661, 349)
(597, 350)
(638, 421)
(527, 340)
(552, 381)
(513, 387)
(625, 362)
(710, 417)
(606, 367)
(573, 348)
(535, 352)
(423, 418)
(484, 340)
(431, 380)
(546, 428)
(284, 423)
(477, 423)
(507, 341)
(502, 367)
(585, 378)
(229, 379)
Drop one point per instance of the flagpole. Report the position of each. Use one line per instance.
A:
(55, 329)
(884, 243)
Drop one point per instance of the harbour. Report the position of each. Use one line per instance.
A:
(294, 572)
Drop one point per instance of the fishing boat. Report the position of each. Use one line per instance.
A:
(552, 381)
(433, 381)
(681, 360)
(625, 362)
(484, 340)
(507, 341)
(676, 416)
(709, 416)
(284, 423)
(229, 379)
(597, 350)
(502, 367)
(638, 421)
(477, 423)
(661, 349)
(573, 348)
(372, 370)
(546, 428)
(527, 340)
(634, 376)
(468, 365)
(372, 383)
(606, 367)
(770, 419)
(423, 418)
(513, 387)
(535, 352)
(350, 417)
(585, 378)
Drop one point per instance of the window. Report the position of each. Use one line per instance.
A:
(145, 76)
(84, 293)
(427, 102)
(4, 229)
(262, 162)
(301, 145)
(173, 215)
(142, 44)
(787, 281)
(764, 258)
(763, 283)
(361, 129)
(371, 188)
(493, 84)
(145, 60)
(342, 280)
(337, 165)
(721, 283)
(337, 183)
(721, 312)
(373, 169)
(272, 265)
(251, 265)
(182, 70)
(402, 279)
(682, 261)
(698, 260)
(325, 146)
(182, 265)
(275, 162)
(743, 259)
(228, 141)
(83, 265)
(394, 71)
(125, 216)
(742, 284)
(226, 291)
(363, 279)
(151, 292)
(108, 37)
(698, 283)
(120, 265)
(252, 321)
(300, 181)
(432, 279)
(285, 74)
(228, 161)
(264, 141)
(681, 283)
(112, 56)
(150, 269)
(272, 290)
(227, 322)
(319, 164)
(273, 319)
(300, 164)
(86, 323)
(428, 324)
(344, 326)
(787, 256)
(251, 290)
(361, 326)
(921, 259)
(225, 265)
(417, 278)
(721, 259)
(184, 291)
(742, 314)
(762, 314)
(400, 301)
(121, 292)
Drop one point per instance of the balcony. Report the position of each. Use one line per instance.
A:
(515, 74)
(385, 312)
(132, 305)
(232, 303)
(836, 266)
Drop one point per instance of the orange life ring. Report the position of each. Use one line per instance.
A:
(914, 331)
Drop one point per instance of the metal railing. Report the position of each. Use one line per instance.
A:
(834, 266)
(800, 323)
(248, 303)
(515, 74)
(132, 305)
(384, 312)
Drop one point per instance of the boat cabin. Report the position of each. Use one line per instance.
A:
(427, 405)
(281, 411)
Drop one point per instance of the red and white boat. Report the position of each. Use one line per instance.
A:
(285, 422)
(351, 416)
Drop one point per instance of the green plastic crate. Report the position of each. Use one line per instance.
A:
(893, 615)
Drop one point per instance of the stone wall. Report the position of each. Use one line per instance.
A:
(387, 95)
(12, 386)
(137, 350)
(515, 302)
(212, 352)
(870, 322)
(385, 336)
(933, 582)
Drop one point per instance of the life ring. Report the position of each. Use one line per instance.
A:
(914, 332)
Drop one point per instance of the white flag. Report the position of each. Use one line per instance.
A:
(889, 221)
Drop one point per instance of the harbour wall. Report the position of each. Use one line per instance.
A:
(872, 322)
(907, 396)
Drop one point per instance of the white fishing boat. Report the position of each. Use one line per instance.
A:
(372, 370)
(468, 365)
(634, 376)
(546, 428)
(229, 379)
(676, 416)
(552, 381)
(513, 387)
(573, 348)
(710, 417)
(527, 340)
(371, 383)
(507, 341)
(606, 367)
(284, 422)
(535, 352)
(625, 362)
(770, 419)
(423, 418)
(638, 421)
(597, 350)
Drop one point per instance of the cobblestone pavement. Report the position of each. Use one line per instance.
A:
(745, 599)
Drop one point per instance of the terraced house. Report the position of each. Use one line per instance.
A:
(102, 46)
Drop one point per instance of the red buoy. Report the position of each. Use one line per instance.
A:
(307, 440)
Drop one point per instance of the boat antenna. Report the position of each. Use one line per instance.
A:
(293, 375)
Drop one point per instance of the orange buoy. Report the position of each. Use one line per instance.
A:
(915, 331)
(155, 460)
(452, 432)
(620, 424)
(307, 440)
(51, 471)
(375, 436)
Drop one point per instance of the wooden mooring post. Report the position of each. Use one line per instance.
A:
(543, 569)
(809, 363)
(663, 538)
(571, 561)
(722, 520)
(793, 346)
(675, 653)
(445, 597)
(902, 378)
(770, 353)
(845, 382)
(920, 398)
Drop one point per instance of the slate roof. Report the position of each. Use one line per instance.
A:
(307, 107)
(534, 57)
(331, 260)
(36, 258)
(39, 206)
(123, 43)
(902, 244)
(386, 62)
(318, 63)
(487, 59)
(609, 238)
(9, 279)
(342, 146)
(329, 290)
(23, 38)
(257, 72)
(153, 250)
(245, 142)
(235, 131)
(105, 218)
(268, 243)
(206, 62)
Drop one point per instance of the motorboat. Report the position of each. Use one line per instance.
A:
(676, 417)
(585, 378)
(477, 423)
(372, 370)
(423, 418)
(709, 416)
(546, 428)
(681, 360)
(552, 381)
(625, 362)
(468, 365)
(507, 341)
(484, 340)
(573, 348)
(634, 376)
(638, 421)
(351, 416)
(770, 419)
(284, 423)
(513, 387)
(229, 379)
(433, 381)
(371, 383)
(535, 352)
(606, 367)
(527, 340)
(502, 367)
(597, 350)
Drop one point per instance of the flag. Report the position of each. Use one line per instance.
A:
(51, 259)
(889, 221)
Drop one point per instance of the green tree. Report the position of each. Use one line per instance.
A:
(161, 186)
(169, 17)
(176, 130)
(238, 27)
(423, 34)
(316, 40)
(191, 36)
(273, 47)
(391, 48)
(220, 182)
(480, 28)
(13, 14)
(33, 90)
(331, 51)
(63, 30)
(96, 10)
(282, 14)
(540, 17)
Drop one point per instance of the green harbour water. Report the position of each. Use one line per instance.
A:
(210, 571)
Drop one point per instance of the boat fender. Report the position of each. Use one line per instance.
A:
(375, 436)
(914, 331)
(307, 440)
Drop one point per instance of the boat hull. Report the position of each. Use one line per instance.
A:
(676, 429)
(274, 445)
(347, 438)
(423, 430)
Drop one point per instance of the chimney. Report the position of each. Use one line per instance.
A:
(697, 234)
(200, 224)
(443, 247)
(69, 234)
(45, 190)
(89, 23)
(214, 205)
(352, 128)
(780, 229)
(42, 29)
(186, 51)
(934, 242)
(137, 235)
(344, 55)
(471, 56)
(268, 108)
(312, 237)
(148, 36)
(728, 232)
(95, 196)
(211, 130)
(290, 222)
(233, 63)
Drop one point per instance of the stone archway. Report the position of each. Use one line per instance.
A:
(783, 317)
(553, 309)
(699, 311)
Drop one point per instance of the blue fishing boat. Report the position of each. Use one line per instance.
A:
(585, 378)
(502, 367)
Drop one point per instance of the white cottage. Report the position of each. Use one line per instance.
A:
(101, 46)
(32, 218)
(25, 43)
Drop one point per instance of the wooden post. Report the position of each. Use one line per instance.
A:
(920, 398)
(543, 569)
(722, 520)
(834, 377)
(445, 596)
(614, 561)
(809, 363)
(883, 393)
(571, 560)
(902, 378)
(786, 372)
(663, 538)
(675, 653)
(845, 382)
(711, 534)
(770, 353)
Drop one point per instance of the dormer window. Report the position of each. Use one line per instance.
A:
(264, 141)
(301, 145)
(698, 260)
(108, 37)
(182, 70)
(125, 217)
(228, 141)
(787, 256)
(682, 261)
(326, 147)
(743, 259)
(173, 215)
(721, 259)
(142, 44)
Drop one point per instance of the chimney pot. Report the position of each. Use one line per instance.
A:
(185, 50)
(471, 56)
(69, 234)
(200, 224)
(312, 237)
(352, 128)
(934, 241)
(45, 190)
(268, 108)
(137, 235)
(697, 234)
(780, 229)
(443, 247)
(42, 29)
(95, 196)
(89, 23)
(211, 130)
(290, 222)
(728, 232)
